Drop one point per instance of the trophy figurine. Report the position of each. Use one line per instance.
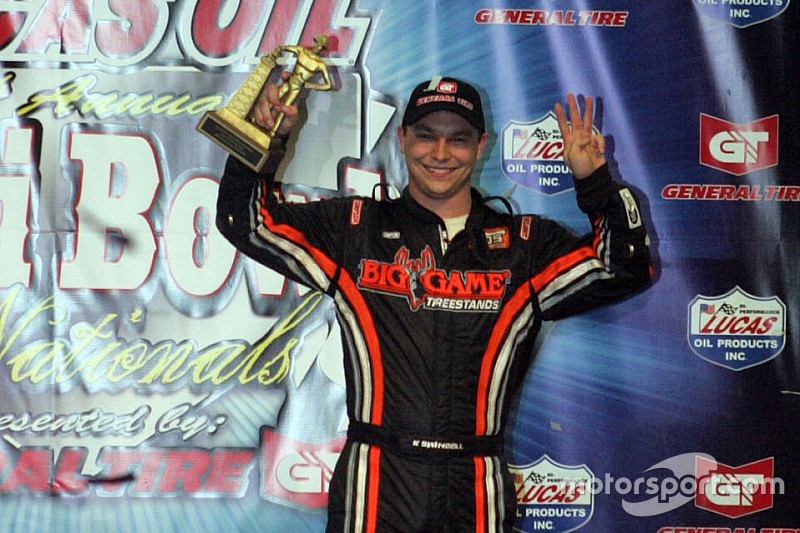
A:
(231, 126)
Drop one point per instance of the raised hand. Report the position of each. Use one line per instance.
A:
(269, 109)
(584, 151)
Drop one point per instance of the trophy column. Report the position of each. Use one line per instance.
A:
(230, 127)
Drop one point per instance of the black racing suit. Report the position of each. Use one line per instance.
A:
(436, 343)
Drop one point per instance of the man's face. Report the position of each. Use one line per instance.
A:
(441, 150)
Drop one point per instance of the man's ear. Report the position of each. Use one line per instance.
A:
(401, 136)
(482, 141)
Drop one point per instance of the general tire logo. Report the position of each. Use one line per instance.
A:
(737, 330)
(297, 472)
(738, 148)
(735, 491)
(552, 497)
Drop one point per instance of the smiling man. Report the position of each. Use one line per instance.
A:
(442, 137)
(439, 298)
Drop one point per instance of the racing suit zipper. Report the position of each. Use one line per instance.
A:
(444, 239)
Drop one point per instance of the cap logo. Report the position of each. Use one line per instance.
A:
(435, 98)
(447, 87)
(445, 94)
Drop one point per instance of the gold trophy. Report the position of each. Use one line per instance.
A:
(232, 126)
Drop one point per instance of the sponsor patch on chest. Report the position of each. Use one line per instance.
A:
(423, 285)
(497, 238)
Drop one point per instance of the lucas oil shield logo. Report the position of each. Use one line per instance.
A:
(737, 330)
(552, 497)
(424, 285)
(741, 13)
(533, 155)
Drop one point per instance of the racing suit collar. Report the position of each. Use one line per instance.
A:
(423, 213)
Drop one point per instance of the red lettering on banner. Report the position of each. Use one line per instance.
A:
(121, 464)
(60, 23)
(117, 38)
(740, 324)
(279, 24)
(295, 471)
(215, 41)
(319, 21)
(229, 471)
(196, 471)
(538, 17)
(31, 472)
(552, 493)
(132, 29)
(549, 150)
(184, 468)
(177, 471)
(217, 471)
(148, 471)
(10, 23)
(68, 477)
(750, 193)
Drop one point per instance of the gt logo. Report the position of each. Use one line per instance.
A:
(738, 148)
(735, 491)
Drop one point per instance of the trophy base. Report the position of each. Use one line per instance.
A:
(242, 139)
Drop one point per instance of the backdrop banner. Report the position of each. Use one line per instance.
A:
(154, 379)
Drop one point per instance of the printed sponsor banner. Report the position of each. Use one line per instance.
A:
(742, 13)
(735, 491)
(552, 496)
(533, 155)
(296, 472)
(738, 148)
(154, 379)
(737, 330)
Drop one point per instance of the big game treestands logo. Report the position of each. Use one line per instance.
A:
(423, 285)
(737, 330)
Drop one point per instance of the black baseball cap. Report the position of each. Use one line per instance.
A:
(445, 94)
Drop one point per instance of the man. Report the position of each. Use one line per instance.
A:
(439, 298)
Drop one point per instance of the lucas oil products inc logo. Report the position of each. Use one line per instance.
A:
(553, 497)
(738, 148)
(741, 13)
(533, 155)
(737, 330)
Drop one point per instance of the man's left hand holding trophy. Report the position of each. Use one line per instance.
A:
(260, 114)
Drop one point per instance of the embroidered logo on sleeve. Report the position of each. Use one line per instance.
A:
(631, 210)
